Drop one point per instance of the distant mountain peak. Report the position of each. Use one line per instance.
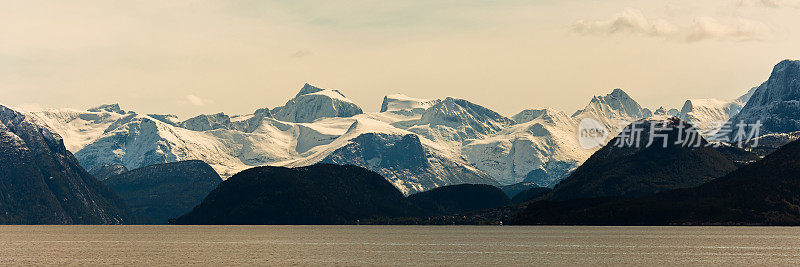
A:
(613, 109)
(785, 64)
(108, 108)
(308, 89)
(401, 102)
(773, 106)
(532, 114)
(312, 103)
(618, 93)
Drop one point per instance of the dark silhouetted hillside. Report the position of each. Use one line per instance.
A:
(454, 199)
(766, 192)
(161, 192)
(317, 194)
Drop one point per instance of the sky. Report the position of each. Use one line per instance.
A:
(194, 57)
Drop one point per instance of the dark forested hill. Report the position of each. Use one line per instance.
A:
(317, 194)
(453, 199)
(161, 192)
(766, 192)
(627, 166)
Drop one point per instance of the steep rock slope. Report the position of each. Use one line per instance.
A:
(161, 192)
(42, 183)
(775, 103)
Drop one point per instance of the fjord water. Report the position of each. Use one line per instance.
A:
(397, 245)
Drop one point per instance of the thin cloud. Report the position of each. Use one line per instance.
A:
(629, 21)
(634, 22)
(705, 28)
(770, 3)
(197, 101)
(301, 54)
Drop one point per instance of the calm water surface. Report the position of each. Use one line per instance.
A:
(397, 245)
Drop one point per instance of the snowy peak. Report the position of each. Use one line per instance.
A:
(207, 122)
(541, 148)
(455, 120)
(308, 89)
(456, 110)
(661, 111)
(783, 84)
(528, 115)
(709, 115)
(400, 102)
(621, 102)
(312, 103)
(775, 104)
(108, 108)
(545, 114)
(613, 109)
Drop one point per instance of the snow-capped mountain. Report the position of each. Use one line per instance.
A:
(455, 121)
(80, 128)
(42, 183)
(775, 103)
(709, 115)
(449, 141)
(405, 105)
(543, 146)
(540, 149)
(614, 110)
(661, 111)
(312, 103)
(234, 143)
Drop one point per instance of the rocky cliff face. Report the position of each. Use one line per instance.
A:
(42, 183)
(775, 103)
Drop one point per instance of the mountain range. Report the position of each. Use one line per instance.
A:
(147, 168)
(452, 140)
(417, 144)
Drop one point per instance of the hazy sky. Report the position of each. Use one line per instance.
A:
(191, 57)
